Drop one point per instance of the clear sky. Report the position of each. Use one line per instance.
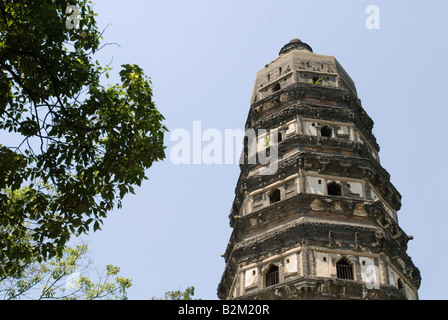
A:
(202, 57)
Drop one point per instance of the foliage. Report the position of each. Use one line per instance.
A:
(61, 279)
(267, 141)
(75, 148)
(181, 295)
(317, 81)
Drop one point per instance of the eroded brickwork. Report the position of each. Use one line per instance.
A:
(325, 225)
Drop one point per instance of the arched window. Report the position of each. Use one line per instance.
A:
(274, 196)
(344, 269)
(272, 276)
(276, 87)
(333, 189)
(279, 137)
(316, 80)
(326, 131)
(400, 284)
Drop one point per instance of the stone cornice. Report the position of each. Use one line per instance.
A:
(325, 163)
(321, 222)
(310, 101)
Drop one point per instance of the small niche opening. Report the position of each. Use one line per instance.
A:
(274, 196)
(279, 137)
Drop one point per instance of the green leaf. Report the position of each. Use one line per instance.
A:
(84, 146)
(96, 226)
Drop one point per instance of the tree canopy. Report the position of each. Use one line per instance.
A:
(71, 148)
(66, 278)
(181, 295)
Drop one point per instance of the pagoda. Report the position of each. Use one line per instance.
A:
(323, 223)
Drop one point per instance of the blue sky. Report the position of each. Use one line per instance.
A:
(202, 57)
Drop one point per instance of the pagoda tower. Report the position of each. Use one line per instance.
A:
(323, 223)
